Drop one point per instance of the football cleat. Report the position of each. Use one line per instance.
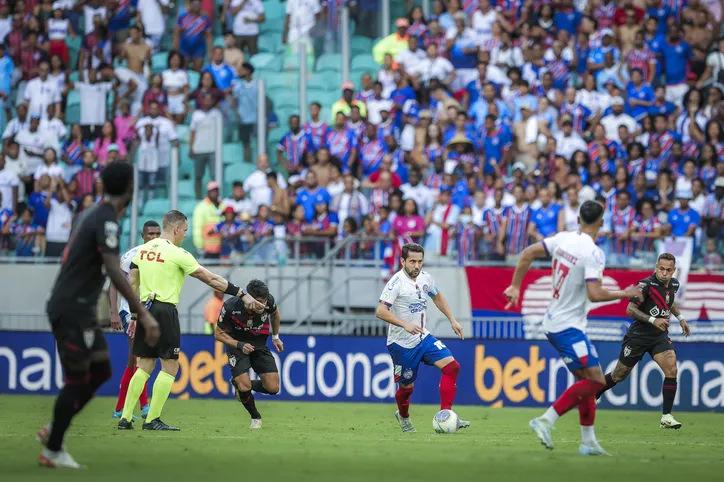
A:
(463, 423)
(124, 424)
(405, 423)
(255, 423)
(668, 421)
(119, 414)
(144, 411)
(542, 428)
(58, 460)
(595, 449)
(157, 424)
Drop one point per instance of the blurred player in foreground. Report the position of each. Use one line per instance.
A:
(245, 335)
(157, 273)
(649, 333)
(92, 251)
(403, 305)
(578, 266)
(121, 318)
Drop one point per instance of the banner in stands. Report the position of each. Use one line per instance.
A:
(493, 372)
(703, 298)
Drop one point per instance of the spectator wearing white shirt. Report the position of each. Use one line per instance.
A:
(152, 17)
(246, 15)
(202, 140)
(411, 58)
(238, 200)
(54, 125)
(436, 67)
(6, 21)
(93, 102)
(377, 104)
(92, 9)
(176, 83)
(9, 187)
(257, 185)
(18, 123)
(483, 20)
(147, 160)
(507, 56)
(50, 167)
(130, 86)
(42, 92)
(350, 203)
(414, 189)
(301, 17)
(568, 141)
(166, 137)
(617, 118)
(60, 207)
(33, 142)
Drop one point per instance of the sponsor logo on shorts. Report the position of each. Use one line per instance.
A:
(626, 351)
(567, 360)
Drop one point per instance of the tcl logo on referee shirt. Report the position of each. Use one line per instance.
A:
(152, 256)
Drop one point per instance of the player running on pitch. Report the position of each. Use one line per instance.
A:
(91, 253)
(403, 305)
(245, 335)
(121, 318)
(649, 333)
(578, 266)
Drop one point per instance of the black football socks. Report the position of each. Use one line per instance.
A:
(609, 385)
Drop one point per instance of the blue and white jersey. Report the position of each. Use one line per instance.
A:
(407, 299)
(126, 268)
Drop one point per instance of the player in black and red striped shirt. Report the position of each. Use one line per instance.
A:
(649, 333)
(245, 335)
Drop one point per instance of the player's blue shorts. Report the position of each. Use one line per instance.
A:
(575, 348)
(407, 360)
(125, 319)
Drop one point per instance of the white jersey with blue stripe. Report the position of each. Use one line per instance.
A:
(126, 268)
(576, 261)
(407, 299)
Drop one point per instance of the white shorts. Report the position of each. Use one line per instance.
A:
(675, 93)
(176, 104)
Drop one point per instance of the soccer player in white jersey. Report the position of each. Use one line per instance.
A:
(121, 319)
(403, 304)
(578, 266)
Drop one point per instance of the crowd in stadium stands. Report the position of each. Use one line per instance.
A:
(484, 129)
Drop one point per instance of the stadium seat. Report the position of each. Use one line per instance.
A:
(186, 190)
(159, 62)
(238, 172)
(325, 81)
(156, 207)
(187, 207)
(232, 153)
(182, 132)
(356, 75)
(266, 61)
(360, 45)
(72, 114)
(194, 78)
(365, 61)
(329, 62)
(287, 99)
(271, 42)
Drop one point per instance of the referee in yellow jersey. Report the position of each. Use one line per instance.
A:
(159, 268)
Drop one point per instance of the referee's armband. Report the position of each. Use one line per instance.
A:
(232, 289)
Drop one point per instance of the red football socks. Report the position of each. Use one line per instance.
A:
(576, 394)
(448, 386)
(125, 380)
(403, 400)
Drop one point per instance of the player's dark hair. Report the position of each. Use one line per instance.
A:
(667, 257)
(258, 289)
(150, 224)
(590, 212)
(412, 248)
(117, 178)
(173, 217)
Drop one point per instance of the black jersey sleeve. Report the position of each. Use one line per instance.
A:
(224, 316)
(271, 305)
(675, 285)
(107, 232)
(644, 287)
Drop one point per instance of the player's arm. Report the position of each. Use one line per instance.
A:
(116, 323)
(222, 285)
(677, 314)
(222, 330)
(444, 307)
(597, 293)
(276, 322)
(134, 279)
(113, 269)
(529, 254)
(384, 313)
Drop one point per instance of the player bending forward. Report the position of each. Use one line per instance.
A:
(403, 305)
(649, 333)
(121, 319)
(578, 266)
(245, 335)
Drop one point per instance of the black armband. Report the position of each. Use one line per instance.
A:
(133, 266)
(231, 289)
(240, 345)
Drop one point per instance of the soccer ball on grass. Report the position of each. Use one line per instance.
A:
(445, 421)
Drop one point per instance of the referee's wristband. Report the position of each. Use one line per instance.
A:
(231, 289)
(652, 319)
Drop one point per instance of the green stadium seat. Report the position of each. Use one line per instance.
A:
(232, 153)
(159, 62)
(364, 61)
(186, 190)
(72, 114)
(194, 78)
(271, 42)
(156, 207)
(325, 80)
(238, 172)
(329, 62)
(286, 99)
(187, 207)
(183, 132)
(266, 61)
(360, 45)
(73, 97)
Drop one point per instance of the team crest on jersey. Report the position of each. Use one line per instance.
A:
(626, 351)
(110, 228)
(407, 374)
(655, 311)
(89, 336)
(425, 288)
(232, 361)
(667, 297)
(264, 317)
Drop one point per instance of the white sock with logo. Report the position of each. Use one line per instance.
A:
(551, 415)
(589, 437)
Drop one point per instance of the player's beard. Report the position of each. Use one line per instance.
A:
(412, 273)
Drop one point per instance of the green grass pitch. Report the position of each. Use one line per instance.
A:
(338, 442)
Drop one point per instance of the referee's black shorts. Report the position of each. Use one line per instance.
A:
(169, 343)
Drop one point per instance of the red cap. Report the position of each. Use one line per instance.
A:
(229, 209)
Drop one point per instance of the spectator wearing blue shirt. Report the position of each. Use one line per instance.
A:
(660, 105)
(639, 94)
(596, 59)
(545, 218)
(566, 17)
(676, 54)
(6, 74)
(36, 201)
(246, 95)
(479, 109)
(683, 221)
(658, 10)
(497, 140)
(523, 98)
(400, 96)
(221, 72)
(308, 195)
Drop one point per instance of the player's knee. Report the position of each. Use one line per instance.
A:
(670, 370)
(100, 373)
(272, 387)
(244, 384)
(452, 368)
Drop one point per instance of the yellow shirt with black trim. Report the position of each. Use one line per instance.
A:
(162, 267)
